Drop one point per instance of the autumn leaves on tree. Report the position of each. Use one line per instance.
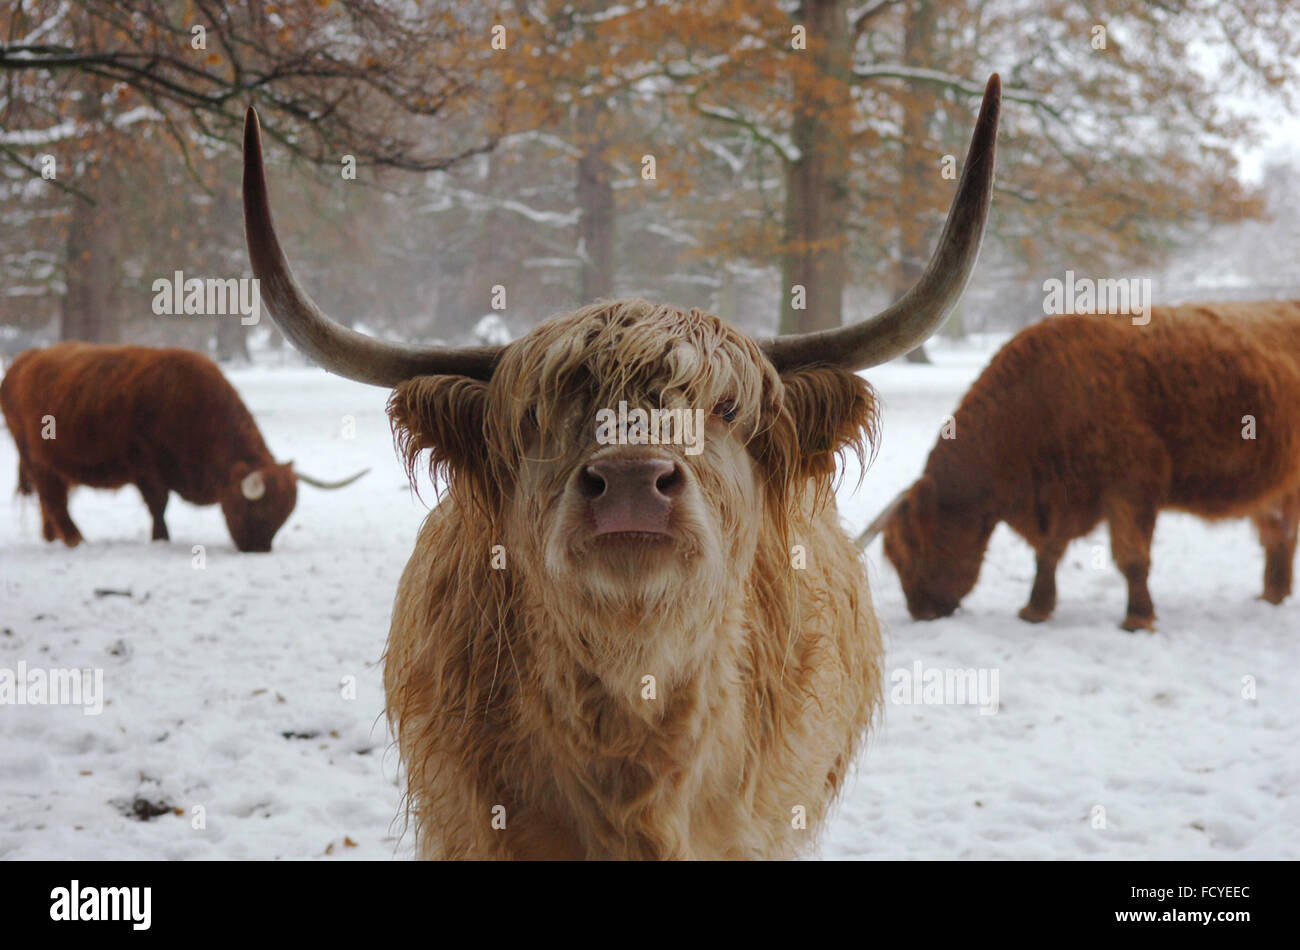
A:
(785, 165)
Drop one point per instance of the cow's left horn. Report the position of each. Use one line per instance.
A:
(252, 486)
(320, 484)
(909, 322)
(335, 347)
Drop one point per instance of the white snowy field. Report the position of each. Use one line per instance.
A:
(224, 686)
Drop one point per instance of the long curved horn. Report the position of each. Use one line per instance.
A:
(320, 484)
(332, 345)
(878, 523)
(909, 322)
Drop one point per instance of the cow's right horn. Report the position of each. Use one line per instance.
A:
(335, 347)
(878, 523)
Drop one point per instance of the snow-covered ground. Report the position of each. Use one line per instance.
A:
(226, 688)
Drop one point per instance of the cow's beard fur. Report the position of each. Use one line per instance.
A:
(650, 614)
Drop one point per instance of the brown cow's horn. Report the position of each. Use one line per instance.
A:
(320, 484)
(878, 523)
(909, 322)
(252, 486)
(334, 346)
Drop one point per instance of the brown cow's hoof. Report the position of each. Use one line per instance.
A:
(1034, 615)
(1134, 624)
(1274, 597)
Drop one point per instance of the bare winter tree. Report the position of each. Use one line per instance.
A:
(389, 85)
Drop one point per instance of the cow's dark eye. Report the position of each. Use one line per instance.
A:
(725, 410)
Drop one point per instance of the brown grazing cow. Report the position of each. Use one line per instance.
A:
(1080, 419)
(163, 420)
(623, 647)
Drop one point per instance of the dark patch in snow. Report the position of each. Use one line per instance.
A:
(143, 810)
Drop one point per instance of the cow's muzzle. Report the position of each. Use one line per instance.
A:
(631, 497)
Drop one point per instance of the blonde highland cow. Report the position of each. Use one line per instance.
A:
(631, 647)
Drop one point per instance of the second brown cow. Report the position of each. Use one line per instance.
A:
(1080, 419)
(164, 420)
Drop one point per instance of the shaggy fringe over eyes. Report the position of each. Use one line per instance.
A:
(635, 351)
(630, 350)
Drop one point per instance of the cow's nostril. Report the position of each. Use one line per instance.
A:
(671, 482)
(590, 483)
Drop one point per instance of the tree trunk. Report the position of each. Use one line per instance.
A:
(91, 261)
(727, 309)
(595, 193)
(231, 338)
(92, 253)
(817, 184)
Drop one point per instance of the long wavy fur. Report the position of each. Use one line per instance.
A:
(504, 710)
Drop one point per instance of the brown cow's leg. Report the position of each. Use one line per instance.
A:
(1131, 527)
(53, 492)
(1042, 599)
(155, 497)
(1277, 529)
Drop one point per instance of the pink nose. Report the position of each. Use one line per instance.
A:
(631, 494)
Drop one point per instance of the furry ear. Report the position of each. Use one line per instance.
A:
(833, 409)
(444, 414)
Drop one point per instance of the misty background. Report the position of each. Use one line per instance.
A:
(711, 154)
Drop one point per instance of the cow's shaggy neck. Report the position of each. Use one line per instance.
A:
(628, 756)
